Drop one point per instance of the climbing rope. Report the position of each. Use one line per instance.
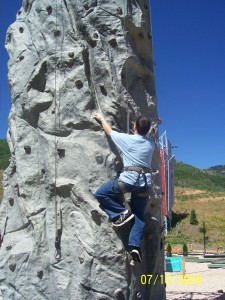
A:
(126, 71)
(58, 231)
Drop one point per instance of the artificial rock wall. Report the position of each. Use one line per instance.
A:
(69, 59)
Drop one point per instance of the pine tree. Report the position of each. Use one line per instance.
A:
(193, 218)
(185, 250)
(169, 250)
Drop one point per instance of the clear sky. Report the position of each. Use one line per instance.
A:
(189, 53)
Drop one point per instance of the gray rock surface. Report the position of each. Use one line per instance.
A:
(69, 59)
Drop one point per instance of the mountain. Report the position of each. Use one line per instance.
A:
(218, 169)
(192, 177)
(203, 191)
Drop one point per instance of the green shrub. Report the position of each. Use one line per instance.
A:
(169, 250)
(193, 218)
(185, 250)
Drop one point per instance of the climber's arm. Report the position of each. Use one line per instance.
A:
(105, 125)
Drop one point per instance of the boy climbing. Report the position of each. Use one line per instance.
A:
(137, 150)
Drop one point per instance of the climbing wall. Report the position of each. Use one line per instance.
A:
(68, 60)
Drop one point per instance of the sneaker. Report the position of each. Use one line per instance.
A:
(136, 254)
(125, 217)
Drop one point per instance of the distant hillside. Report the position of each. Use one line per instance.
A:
(191, 177)
(4, 154)
(218, 169)
(203, 191)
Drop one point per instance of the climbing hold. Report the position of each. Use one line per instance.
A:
(99, 158)
(81, 259)
(57, 33)
(40, 274)
(138, 294)
(53, 111)
(21, 58)
(86, 6)
(61, 153)
(11, 201)
(71, 54)
(21, 29)
(49, 9)
(19, 12)
(94, 212)
(12, 267)
(118, 293)
(8, 247)
(103, 90)
(27, 149)
(119, 11)
(95, 35)
(113, 42)
(79, 84)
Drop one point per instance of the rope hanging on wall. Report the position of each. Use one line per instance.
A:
(58, 229)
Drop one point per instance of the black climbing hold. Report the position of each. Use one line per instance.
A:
(27, 149)
(79, 84)
(103, 90)
(113, 42)
(86, 6)
(95, 35)
(71, 54)
(8, 247)
(21, 58)
(49, 9)
(11, 201)
(40, 274)
(119, 11)
(43, 171)
(21, 29)
(57, 33)
(61, 152)
(19, 12)
(12, 267)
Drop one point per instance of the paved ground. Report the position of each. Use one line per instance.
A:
(199, 283)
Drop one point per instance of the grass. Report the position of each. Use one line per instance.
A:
(4, 154)
(209, 208)
(204, 191)
(4, 162)
(191, 177)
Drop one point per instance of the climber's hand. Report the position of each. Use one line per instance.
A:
(98, 117)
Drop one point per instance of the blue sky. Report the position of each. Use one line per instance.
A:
(189, 53)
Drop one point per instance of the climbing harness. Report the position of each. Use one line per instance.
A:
(140, 171)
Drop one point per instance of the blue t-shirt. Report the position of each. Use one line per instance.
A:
(137, 150)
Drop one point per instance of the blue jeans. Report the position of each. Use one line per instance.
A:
(108, 196)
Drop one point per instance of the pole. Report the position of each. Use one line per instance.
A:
(168, 184)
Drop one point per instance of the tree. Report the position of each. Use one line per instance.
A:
(185, 250)
(169, 250)
(193, 218)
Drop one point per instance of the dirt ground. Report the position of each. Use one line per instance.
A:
(199, 283)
